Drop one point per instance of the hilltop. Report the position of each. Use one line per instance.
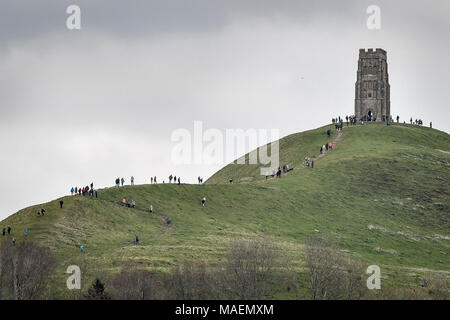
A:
(382, 194)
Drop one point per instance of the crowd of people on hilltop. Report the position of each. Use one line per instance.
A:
(174, 178)
(153, 180)
(338, 122)
(351, 120)
(417, 122)
(84, 191)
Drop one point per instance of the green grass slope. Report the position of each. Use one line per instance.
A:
(382, 194)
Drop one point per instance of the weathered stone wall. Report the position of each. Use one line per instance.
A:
(372, 90)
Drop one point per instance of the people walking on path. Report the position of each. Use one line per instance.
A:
(279, 173)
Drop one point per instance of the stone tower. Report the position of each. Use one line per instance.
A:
(372, 90)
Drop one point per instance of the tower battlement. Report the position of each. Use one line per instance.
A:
(371, 51)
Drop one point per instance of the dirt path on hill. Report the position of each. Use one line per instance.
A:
(334, 142)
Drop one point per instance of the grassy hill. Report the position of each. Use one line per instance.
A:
(382, 194)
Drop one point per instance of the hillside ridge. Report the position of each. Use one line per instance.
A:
(382, 194)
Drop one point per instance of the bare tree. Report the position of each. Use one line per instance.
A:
(331, 275)
(250, 266)
(191, 281)
(351, 279)
(6, 287)
(25, 270)
(134, 284)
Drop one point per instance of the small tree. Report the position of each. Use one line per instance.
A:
(97, 291)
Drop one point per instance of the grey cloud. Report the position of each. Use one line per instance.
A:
(102, 102)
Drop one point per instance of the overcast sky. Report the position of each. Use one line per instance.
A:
(90, 105)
